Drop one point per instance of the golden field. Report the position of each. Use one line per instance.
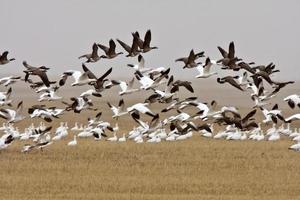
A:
(197, 168)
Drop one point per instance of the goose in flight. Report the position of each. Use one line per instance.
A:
(3, 58)
(79, 77)
(79, 104)
(186, 84)
(289, 119)
(98, 83)
(36, 71)
(12, 115)
(44, 113)
(271, 115)
(147, 82)
(279, 86)
(140, 66)
(126, 88)
(293, 100)
(92, 57)
(49, 95)
(9, 80)
(118, 111)
(5, 97)
(190, 61)
(231, 81)
(142, 108)
(5, 141)
(90, 92)
(133, 50)
(204, 70)
(110, 52)
(229, 60)
(144, 45)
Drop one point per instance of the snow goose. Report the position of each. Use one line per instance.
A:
(122, 139)
(79, 78)
(142, 108)
(295, 147)
(126, 88)
(293, 100)
(12, 115)
(204, 70)
(73, 142)
(114, 138)
(118, 111)
(140, 66)
(9, 80)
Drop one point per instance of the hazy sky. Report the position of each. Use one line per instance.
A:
(55, 33)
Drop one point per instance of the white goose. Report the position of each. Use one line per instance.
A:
(6, 81)
(204, 70)
(73, 142)
(12, 115)
(122, 139)
(142, 108)
(295, 147)
(293, 100)
(118, 111)
(126, 88)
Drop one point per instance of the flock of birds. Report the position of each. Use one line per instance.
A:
(164, 90)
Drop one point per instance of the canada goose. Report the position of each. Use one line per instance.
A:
(144, 45)
(247, 67)
(37, 71)
(93, 57)
(293, 100)
(99, 83)
(231, 81)
(268, 69)
(279, 86)
(133, 50)
(204, 70)
(190, 61)
(229, 60)
(263, 75)
(179, 83)
(109, 51)
(3, 58)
